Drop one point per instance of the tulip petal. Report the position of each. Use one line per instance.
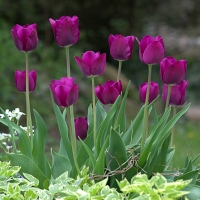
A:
(154, 53)
(67, 81)
(21, 82)
(110, 39)
(89, 57)
(83, 67)
(110, 94)
(56, 99)
(174, 73)
(81, 128)
(67, 33)
(120, 49)
(61, 92)
(99, 91)
(99, 65)
(72, 95)
(146, 40)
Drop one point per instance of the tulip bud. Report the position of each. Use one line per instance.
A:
(25, 37)
(66, 30)
(172, 71)
(121, 47)
(108, 93)
(153, 93)
(178, 93)
(20, 80)
(92, 64)
(65, 92)
(81, 127)
(151, 51)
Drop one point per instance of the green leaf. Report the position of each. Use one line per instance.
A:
(90, 120)
(116, 155)
(152, 137)
(159, 163)
(31, 179)
(165, 132)
(39, 142)
(27, 166)
(63, 129)
(194, 192)
(189, 175)
(100, 162)
(25, 144)
(104, 128)
(82, 153)
(60, 164)
(90, 153)
(121, 119)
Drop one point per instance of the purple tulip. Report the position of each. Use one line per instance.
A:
(25, 37)
(65, 92)
(172, 71)
(66, 30)
(92, 64)
(81, 127)
(154, 91)
(20, 80)
(108, 93)
(151, 51)
(178, 93)
(121, 47)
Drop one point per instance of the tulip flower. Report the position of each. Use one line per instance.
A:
(151, 50)
(108, 93)
(66, 30)
(172, 71)
(121, 47)
(92, 64)
(178, 93)
(65, 91)
(81, 127)
(20, 80)
(25, 37)
(154, 91)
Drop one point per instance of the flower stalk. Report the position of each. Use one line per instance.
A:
(67, 61)
(168, 96)
(73, 138)
(94, 109)
(28, 110)
(119, 70)
(145, 122)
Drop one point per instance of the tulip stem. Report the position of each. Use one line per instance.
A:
(28, 110)
(168, 96)
(67, 61)
(73, 139)
(145, 122)
(94, 110)
(172, 137)
(119, 70)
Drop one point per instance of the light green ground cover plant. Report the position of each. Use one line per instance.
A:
(14, 186)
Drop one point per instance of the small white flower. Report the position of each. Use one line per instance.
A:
(17, 113)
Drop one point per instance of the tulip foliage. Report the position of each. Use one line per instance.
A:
(107, 145)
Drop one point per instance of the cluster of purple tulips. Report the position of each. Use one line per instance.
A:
(65, 91)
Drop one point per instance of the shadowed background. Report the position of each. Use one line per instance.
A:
(177, 21)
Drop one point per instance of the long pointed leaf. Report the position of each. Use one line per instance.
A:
(60, 164)
(63, 129)
(39, 142)
(28, 166)
(121, 119)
